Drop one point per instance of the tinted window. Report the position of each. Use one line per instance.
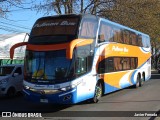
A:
(118, 64)
(126, 63)
(134, 63)
(139, 38)
(106, 65)
(110, 33)
(146, 42)
(88, 28)
(133, 38)
(84, 59)
(106, 33)
(55, 26)
(113, 64)
(126, 37)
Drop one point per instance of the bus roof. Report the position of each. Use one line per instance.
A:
(56, 16)
(69, 15)
(95, 17)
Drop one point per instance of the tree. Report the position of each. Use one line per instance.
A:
(70, 6)
(142, 15)
(5, 6)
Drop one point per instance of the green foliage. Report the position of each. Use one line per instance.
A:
(142, 15)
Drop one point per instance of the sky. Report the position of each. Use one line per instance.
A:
(19, 21)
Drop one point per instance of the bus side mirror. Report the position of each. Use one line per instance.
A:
(14, 47)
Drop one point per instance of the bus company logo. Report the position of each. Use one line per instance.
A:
(48, 24)
(118, 49)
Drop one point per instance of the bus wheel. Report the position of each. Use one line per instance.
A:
(137, 82)
(11, 92)
(142, 81)
(98, 92)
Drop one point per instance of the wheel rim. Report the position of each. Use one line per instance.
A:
(98, 92)
(142, 80)
(137, 83)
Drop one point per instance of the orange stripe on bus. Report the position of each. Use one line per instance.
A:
(68, 46)
(133, 51)
(15, 46)
(77, 43)
(47, 47)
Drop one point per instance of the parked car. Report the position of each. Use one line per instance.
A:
(11, 79)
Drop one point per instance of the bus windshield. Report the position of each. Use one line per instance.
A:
(47, 67)
(54, 30)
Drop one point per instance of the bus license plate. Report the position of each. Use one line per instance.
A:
(43, 100)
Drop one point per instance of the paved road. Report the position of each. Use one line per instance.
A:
(146, 98)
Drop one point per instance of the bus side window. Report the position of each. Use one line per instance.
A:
(118, 64)
(144, 41)
(126, 63)
(109, 65)
(107, 31)
(148, 42)
(88, 29)
(126, 37)
(118, 35)
(116, 39)
(134, 63)
(81, 66)
(106, 66)
(139, 40)
(133, 39)
(102, 37)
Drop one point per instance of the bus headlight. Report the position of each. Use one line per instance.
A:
(71, 86)
(68, 87)
(26, 87)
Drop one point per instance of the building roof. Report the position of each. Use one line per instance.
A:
(8, 40)
(6, 36)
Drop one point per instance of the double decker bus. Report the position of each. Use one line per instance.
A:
(73, 58)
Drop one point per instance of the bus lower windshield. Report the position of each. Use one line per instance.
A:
(47, 67)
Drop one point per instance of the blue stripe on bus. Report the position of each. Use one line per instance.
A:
(132, 77)
(52, 98)
(124, 85)
(109, 88)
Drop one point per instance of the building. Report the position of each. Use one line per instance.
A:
(8, 40)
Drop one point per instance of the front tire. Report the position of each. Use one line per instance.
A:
(98, 92)
(11, 92)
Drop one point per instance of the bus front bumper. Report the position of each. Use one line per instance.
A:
(61, 97)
